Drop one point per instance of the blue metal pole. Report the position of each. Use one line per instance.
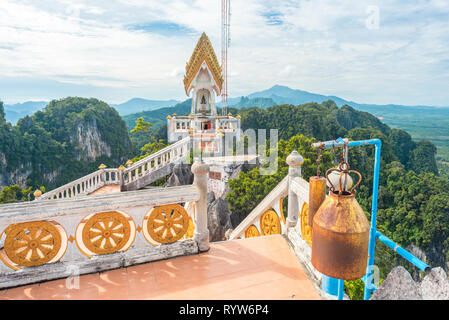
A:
(372, 238)
(329, 285)
(402, 252)
(341, 289)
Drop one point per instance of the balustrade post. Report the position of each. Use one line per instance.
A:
(201, 233)
(294, 161)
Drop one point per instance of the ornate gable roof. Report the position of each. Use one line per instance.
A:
(203, 52)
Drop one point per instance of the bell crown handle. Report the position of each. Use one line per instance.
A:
(344, 172)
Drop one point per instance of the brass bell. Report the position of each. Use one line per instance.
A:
(317, 195)
(340, 232)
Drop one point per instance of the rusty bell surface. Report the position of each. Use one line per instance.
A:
(340, 237)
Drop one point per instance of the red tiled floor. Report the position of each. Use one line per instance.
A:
(256, 268)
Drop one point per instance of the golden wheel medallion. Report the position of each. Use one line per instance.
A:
(252, 232)
(306, 230)
(167, 224)
(106, 232)
(32, 243)
(269, 223)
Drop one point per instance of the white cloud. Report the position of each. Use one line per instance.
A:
(322, 46)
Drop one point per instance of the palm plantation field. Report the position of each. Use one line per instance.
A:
(421, 123)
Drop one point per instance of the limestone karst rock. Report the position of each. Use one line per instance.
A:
(399, 285)
(435, 285)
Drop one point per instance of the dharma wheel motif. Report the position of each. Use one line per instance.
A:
(269, 223)
(306, 230)
(34, 243)
(252, 232)
(105, 233)
(166, 224)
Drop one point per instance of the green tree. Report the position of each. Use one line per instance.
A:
(423, 157)
(141, 126)
(2, 112)
(10, 194)
(251, 187)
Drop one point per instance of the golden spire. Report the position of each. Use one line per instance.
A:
(203, 52)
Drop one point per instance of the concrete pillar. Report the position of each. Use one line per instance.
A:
(201, 234)
(294, 161)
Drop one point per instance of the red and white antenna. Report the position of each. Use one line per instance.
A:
(225, 42)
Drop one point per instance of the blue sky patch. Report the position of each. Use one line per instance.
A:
(273, 18)
(164, 28)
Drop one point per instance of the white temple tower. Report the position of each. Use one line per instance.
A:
(203, 82)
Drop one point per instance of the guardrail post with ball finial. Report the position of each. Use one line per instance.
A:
(201, 233)
(294, 161)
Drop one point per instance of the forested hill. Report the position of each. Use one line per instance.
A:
(413, 199)
(327, 121)
(65, 141)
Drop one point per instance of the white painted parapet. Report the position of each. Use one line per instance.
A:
(294, 161)
(136, 176)
(271, 206)
(84, 185)
(44, 240)
(295, 227)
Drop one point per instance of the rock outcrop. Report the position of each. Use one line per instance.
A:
(89, 143)
(399, 285)
(182, 175)
(220, 218)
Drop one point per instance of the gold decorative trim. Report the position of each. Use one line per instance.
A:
(252, 232)
(30, 244)
(306, 230)
(165, 224)
(190, 229)
(203, 52)
(269, 223)
(105, 233)
(281, 210)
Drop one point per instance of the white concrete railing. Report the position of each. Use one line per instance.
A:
(44, 240)
(263, 223)
(104, 177)
(296, 227)
(176, 152)
(272, 202)
(84, 185)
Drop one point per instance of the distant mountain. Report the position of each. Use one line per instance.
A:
(136, 105)
(260, 102)
(158, 116)
(282, 94)
(285, 95)
(13, 112)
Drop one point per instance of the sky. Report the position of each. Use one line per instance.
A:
(381, 52)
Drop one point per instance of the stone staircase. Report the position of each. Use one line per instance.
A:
(135, 177)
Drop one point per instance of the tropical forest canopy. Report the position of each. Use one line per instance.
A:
(413, 199)
(65, 141)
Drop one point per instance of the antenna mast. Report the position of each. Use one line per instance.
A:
(225, 42)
